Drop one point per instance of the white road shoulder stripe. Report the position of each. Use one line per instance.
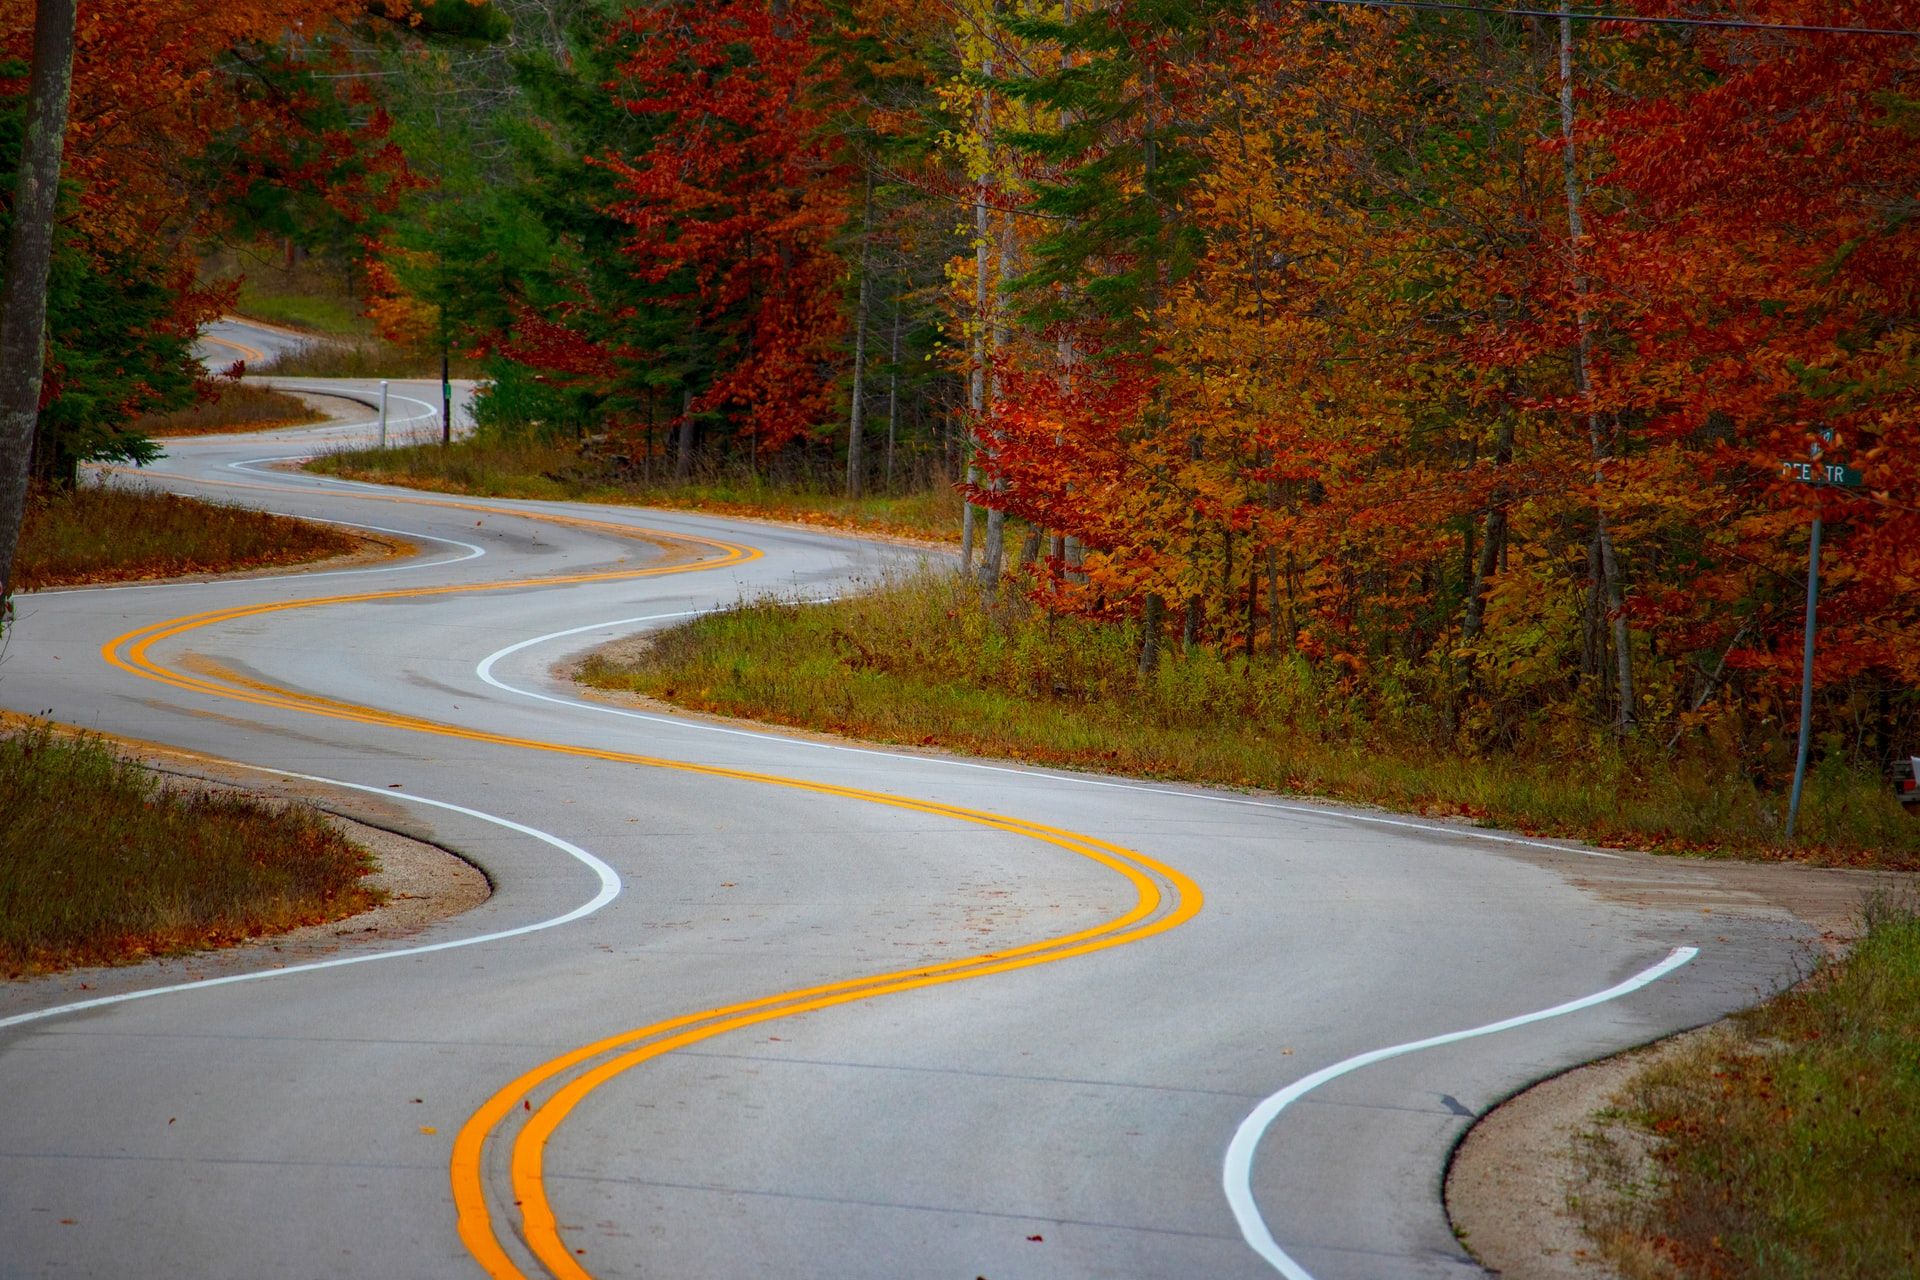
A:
(1237, 1177)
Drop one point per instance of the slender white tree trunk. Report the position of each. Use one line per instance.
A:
(1583, 383)
(855, 474)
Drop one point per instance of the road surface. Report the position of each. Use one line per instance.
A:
(746, 1005)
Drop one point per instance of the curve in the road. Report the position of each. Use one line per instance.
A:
(1152, 912)
(1237, 1171)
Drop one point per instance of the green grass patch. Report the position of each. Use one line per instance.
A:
(1789, 1149)
(113, 533)
(100, 864)
(334, 316)
(921, 661)
(237, 406)
(489, 466)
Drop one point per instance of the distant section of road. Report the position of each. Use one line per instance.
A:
(231, 339)
(813, 1010)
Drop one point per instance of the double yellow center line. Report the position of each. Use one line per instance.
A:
(1164, 898)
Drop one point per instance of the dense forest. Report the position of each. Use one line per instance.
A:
(1452, 358)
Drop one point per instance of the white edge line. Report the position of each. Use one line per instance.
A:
(609, 890)
(1237, 1172)
(485, 671)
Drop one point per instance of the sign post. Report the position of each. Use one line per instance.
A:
(1821, 475)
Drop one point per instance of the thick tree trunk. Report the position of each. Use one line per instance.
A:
(1609, 561)
(858, 416)
(23, 299)
(1030, 547)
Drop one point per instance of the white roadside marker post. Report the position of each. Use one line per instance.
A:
(383, 415)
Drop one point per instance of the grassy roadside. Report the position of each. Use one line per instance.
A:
(240, 406)
(1786, 1147)
(919, 662)
(100, 864)
(113, 533)
(531, 469)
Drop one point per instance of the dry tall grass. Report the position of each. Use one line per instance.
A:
(113, 532)
(920, 661)
(1788, 1146)
(100, 864)
(240, 406)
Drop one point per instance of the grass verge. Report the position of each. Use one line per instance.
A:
(100, 864)
(531, 469)
(114, 533)
(240, 406)
(1786, 1147)
(919, 661)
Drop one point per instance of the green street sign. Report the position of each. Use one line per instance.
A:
(1831, 473)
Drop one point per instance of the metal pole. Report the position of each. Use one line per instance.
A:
(383, 415)
(446, 399)
(1806, 677)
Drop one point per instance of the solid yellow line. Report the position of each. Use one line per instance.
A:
(547, 517)
(246, 352)
(129, 652)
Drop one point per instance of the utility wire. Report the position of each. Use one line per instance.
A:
(1736, 24)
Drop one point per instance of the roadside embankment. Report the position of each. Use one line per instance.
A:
(920, 662)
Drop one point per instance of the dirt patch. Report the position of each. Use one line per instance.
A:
(1518, 1173)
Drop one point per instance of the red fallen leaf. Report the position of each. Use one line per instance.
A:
(1034, 1239)
(527, 1103)
(67, 1222)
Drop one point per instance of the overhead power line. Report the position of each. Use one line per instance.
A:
(1734, 24)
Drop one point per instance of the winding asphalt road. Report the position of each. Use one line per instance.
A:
(746, 1005)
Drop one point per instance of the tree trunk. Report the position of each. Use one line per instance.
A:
(683, 464)
(1493, 536)
(858, 416)
(993, 559)
(977, 384)
(1030, 547)
(1150, 616)
(1609, 562)
(23, 302)
(893, 390)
